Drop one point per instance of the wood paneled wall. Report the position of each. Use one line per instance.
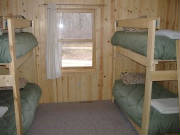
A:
(96, 84)
(167, 10)
(76, 86)
(72, 86)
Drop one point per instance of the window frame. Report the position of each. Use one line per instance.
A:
(93, 40)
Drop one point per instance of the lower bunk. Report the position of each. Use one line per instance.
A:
(30, 96)
(129, 97)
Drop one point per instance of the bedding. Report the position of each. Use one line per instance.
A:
(166, 105)
(165, 48)
(30, 96)
(22, 82)
(3, 110)
(130, 99)
(132, 78)
(130, 29)
(25, 42)
(169, 33)
(1, 33)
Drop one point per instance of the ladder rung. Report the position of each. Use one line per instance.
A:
(6, 80)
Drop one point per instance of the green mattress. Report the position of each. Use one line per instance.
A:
(24, 43)
(165, 48)
(30, 96)
(130, 99)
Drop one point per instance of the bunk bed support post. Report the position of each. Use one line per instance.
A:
(114, 61)
(12, 68)
(178, 68)
(148, 84)
(114, 69)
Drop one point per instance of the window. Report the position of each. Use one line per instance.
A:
(77, 37)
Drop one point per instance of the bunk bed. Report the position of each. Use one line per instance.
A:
(148, 51)
(25, 42)
(15, 50)
(29, 96)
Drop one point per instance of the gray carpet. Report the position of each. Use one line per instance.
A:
(96, 118)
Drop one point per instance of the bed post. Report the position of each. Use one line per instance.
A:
(178, 68)
(148, 84)
(114, 69)
(114, 61)
(12, 68)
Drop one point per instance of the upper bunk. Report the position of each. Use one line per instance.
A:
(24, 41)
(133, 42)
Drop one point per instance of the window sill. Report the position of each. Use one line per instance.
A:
(78, 69)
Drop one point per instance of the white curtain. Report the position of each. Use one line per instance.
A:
(53, 48)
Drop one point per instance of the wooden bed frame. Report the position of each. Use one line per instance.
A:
(12, 78)
(150, 63)
(20, 61)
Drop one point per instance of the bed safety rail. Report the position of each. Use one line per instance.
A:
(19, 22)
(138, 22)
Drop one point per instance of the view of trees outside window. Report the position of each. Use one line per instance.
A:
(76, 36)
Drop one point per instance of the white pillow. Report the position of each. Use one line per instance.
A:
(166, 105)
(169, 33)
(3, 110)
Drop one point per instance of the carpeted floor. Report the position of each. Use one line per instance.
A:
(96, 118)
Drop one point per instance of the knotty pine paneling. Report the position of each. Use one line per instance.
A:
(97, 84)
(72, 86)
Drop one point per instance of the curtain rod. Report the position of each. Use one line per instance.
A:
(99, 5)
